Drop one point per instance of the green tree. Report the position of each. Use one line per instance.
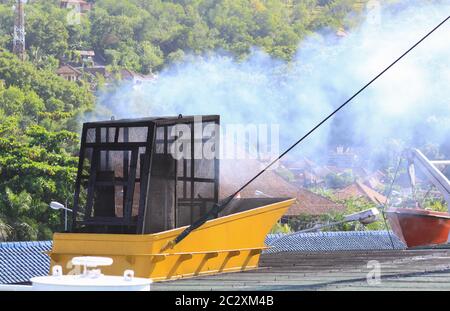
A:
(47, 29)
(38, 141)
(6, 25)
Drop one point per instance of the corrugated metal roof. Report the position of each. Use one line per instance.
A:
(332, 241)
(20, 261)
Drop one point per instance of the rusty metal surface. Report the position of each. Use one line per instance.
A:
(399, 270)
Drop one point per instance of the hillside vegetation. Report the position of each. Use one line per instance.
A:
(40, 113)
(145, 35)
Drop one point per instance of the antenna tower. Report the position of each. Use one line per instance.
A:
(19, 30)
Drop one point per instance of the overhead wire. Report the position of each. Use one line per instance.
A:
(217, 208)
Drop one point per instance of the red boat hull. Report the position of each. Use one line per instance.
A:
(417, 227)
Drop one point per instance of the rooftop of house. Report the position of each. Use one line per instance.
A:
(303, 163)
(101, 70)
(341, 32)
(98, 69)
(312, 204)
(126, 74)
(235, 173)
(83, 2)
(86, 53)
(68, 69)
(358, 189)
(375, 180)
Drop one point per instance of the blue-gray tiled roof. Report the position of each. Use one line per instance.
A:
(20, 261)
(333, 241)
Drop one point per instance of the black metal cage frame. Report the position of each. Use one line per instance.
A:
(128, 181)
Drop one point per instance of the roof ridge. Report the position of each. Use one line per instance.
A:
(360, 186)
(366, 188)
(319, 195)
(16, 244)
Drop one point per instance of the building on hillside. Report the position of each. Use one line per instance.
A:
(308, 179)
(235, 173)
(341, 33)
(98, 71)
(375, 180)
(342, 157)
(79, 5)
(309, 174)
(304, 172)
(69, 73)
(360, 190)
(86, 58)
(310, 203)
(360, 173)
(134, 77)
(73, 73)
(302, 164)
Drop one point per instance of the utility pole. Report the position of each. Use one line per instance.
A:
(19, 30)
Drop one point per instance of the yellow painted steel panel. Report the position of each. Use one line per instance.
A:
(226, 244)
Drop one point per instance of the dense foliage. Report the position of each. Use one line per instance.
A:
(144, 35)
(38, 124)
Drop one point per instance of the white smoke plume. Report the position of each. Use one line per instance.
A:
(411, 102)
